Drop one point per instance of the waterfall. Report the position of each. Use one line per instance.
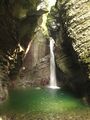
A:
(53, 80)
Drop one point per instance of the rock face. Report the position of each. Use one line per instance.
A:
(79, 29)
(3, 80)
(3, 93)
(36, 50)
(35, 68)
(18, 20)
(68, 24)
(37, 76)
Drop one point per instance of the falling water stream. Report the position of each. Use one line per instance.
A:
(53, 80)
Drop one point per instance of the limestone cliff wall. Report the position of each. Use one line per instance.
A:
(78, 24)
(35, 66)
(17, 23)
(78, 27)
(68, 24)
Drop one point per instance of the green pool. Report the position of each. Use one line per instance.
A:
(40, 100)
(43, 104)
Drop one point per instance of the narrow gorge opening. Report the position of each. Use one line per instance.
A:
(44, 44)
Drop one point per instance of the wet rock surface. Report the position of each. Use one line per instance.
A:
(37, 76)
(73, 115)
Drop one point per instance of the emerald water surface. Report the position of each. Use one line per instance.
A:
(40, 100)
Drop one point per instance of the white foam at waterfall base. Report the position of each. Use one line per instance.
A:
(53, 80)
(53, 87)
